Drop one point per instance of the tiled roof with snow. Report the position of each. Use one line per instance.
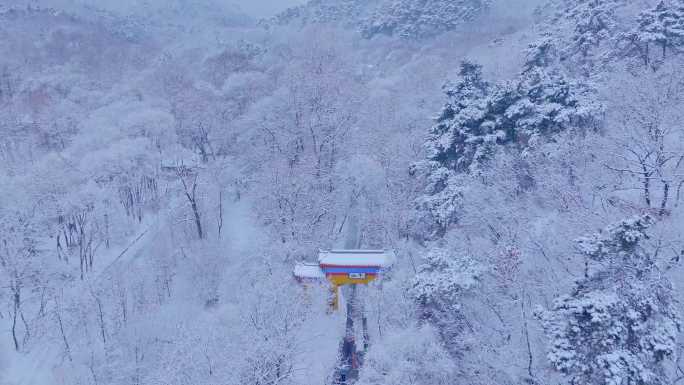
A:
(379, 258)
(308, 270)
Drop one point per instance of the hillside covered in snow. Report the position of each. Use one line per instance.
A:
(172, 172)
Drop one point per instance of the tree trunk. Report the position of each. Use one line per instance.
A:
(14, 321)
(192, 199)
(67, 349)
(679, 190)
(526, 334)
(647, 184)
(198, 222)
(27, 330)
(220, 209)
(666, 194)
(106, 220)
(102, 323)
(366, 335)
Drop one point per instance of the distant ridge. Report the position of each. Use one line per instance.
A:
(408, 19)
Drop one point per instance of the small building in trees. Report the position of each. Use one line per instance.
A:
(344, 267)
(350, 267)
(308, 273)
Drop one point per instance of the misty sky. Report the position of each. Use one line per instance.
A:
(257, 8)
(265, 7)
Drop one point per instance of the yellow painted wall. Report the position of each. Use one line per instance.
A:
(341, 280)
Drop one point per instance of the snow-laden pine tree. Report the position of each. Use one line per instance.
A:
(421, 18)
(594, 22)
(439, 286)
(479, 117)
(449, 147)
(345, 12)
(619, 324)
(20, 272)
(662, 26)
(585, 31)
(409, 19)
(410, 356)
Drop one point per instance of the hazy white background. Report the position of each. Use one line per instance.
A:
(257, 8)
(265, 7)
(205, 155)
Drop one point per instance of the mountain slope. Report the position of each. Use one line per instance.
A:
(409, 19)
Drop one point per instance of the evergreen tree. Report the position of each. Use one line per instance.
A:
(409, 19)
(449, 147)
(438, 287)
(454, 141)
(421, 18)
(618, 326)
(662, 26)
(479, 117)
(584, 30)
(345, 12)
(541, 53)
(595, 21)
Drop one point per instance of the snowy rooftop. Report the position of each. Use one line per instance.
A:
(381, 258)
(308, 270)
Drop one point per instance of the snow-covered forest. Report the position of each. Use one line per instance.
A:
(165, 164)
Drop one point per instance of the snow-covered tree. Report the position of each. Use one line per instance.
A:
(421, 18)
(19, 272)
(480, 116)
(409, 19)
(541, 53)
(662, 26)
(441, 282)
(619, 324)
(595, 20)
(585, 32)
(644, 128)
(344, 12)
(409, 356)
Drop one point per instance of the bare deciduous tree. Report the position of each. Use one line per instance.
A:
(647, 136)
(188, 179)
(18, 271)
